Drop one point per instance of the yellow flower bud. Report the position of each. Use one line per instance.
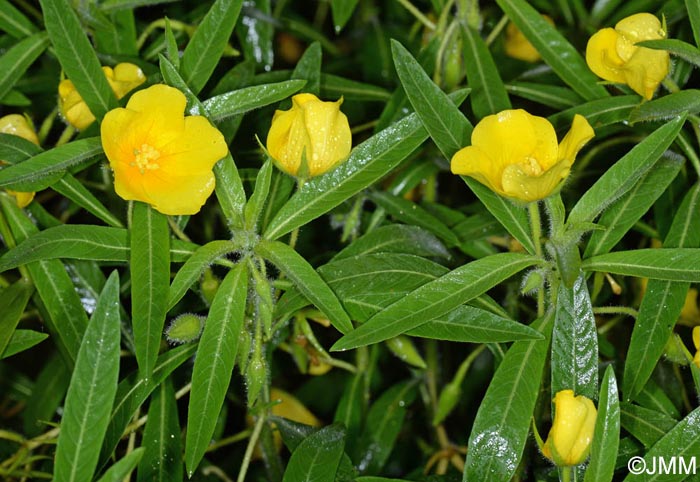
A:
(518, 46)
(569, 440)
(516, 154)
(612, 54)
(696, 342)
(311, 138)
(122, 79)
(17, 125)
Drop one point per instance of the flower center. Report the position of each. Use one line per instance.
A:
(145, 157)
(531, 167)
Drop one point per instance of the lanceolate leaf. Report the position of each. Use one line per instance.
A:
(121, 469)
(436, 298)
(230, 192)
(317, 457)
(91, 392)
(306, 280)
(575, 342)
(13, 301)
(445, 123)
(621, 177)
(668, 106)
(208, 43)
(150, 280)
(368, 162)
(72, 189)
(502, 423)
(15, 61)
(14, 22)
(77, 56)
(214, 363)
(673, 264)
(249, 98)
(606, 437)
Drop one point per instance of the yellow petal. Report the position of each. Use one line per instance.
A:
(641, 26)
(329, 135)
(162, 104)
(580, 133)
(287, 140)
(645, 70)
(23, 199)
(73, 108)
(508, 137)
(17, 125)
(572, 430)
(519, 184)
(195, 150)
(696, 337)
(178, 195)
(125, 78)
(546, 148)
(602, 57)
(474, 162)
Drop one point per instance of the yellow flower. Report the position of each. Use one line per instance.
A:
(518, 46)
(612, 55)
(569, 440)
(312, 130)
(122, 79)
(690, 314)
(696, 342)
(158, 155)
(516, 154)
(17, 125)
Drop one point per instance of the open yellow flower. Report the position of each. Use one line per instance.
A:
(17, 125)
(516, 154)
(310, 138)
(518, 46)
(569, 440)
(612, 54)
(158, 155)
(122, 79)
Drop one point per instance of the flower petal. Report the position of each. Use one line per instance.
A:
(164, 104)
(519, 184)
(546, 148)
(641, 26)
(195, 150)
(474, 162)
(179, 195)
(287, 139)
(329, 135)
(645, 70)
(602, 57)
(580, 133)
(509, 137)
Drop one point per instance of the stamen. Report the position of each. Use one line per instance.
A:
(144, 158)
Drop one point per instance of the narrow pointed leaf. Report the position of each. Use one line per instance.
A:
(13, 301)
(396, 238)
(91, 391)
(668, 106)
(308, 68)
(150, 279)
(672, 264)
(213, 366)
(71, 188)
(307, 280)
(230, 192)
(256, 203)
(121, 469)
(436, 298)
(342, 11)
(247, 99)
(22, 340)
(204, 50)
(606, 437)
(599, 113)
(18, 58)
(14, 22)
(625, 173)
(77, 57)
(317, 457)
(502, 422)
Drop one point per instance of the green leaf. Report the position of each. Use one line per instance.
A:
(555, 50)
(256, 203)
(662, 302)
(647, 426)
(488, 94)
(91, 391)
(16, 60)
(513, 218)
(69, 187)
(114, 5)
(308, 68)
(214, 363)
(171, 48)
(575, 342)
(625, 173)
(382, 427)
(350, 409)
(623, 213)
(195, 266)
(599, 113)
(14, 149)
(22, 340)
(204, 50)
(149, 267)
(342, 11)
(77, 57)
(396, 238)
(317, 457)
(172, 77)
(162, 459)
(673, 264)
(368, 162)
(668, 106)
(13, 301)
(47, 394)
(230, 192)
(247, 99)
(445, 123)
(502, 422)
(133, 391)
(255, 34)
(333, 87)
(436, 298)
(121, 469)
(682, 442)
(654, 397)
(305, 278)
(42, 170)
(606, 437)
(66, 320)
(549, 95)
(14, 22)
(684, 50)
(694, 16)
(413, 214)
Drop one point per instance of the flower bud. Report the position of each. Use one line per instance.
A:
(17, 125)
(569, 440)
(696, 342)
(186, 328)
(311, 138)
(518, 46)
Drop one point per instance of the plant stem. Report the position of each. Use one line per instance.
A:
(418, 14)
(536, 226)
(251, 446)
